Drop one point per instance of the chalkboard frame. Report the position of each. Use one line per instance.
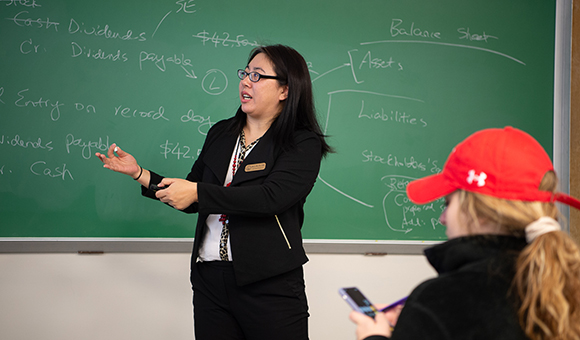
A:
(561, 152)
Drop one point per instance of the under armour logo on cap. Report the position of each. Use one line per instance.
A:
(514, 164)
(479, 178)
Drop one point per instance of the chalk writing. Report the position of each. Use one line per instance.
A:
(430, 206)
(215, 82)
(393, 116)
(377, 63)
(86, 147)
(413, 213)
(204, 123)
(224, 39)
(412, 30)
(28, 22)
(474, 37)
(4, 170)
(77, 51)
(27, 47)
(402, 215)
(89, 107)
(160, 62)
(396, 219)
(105, 32)
(25, 3)
(336, 93)
(393, 161)
(186, 6)
(397, 183)
(39, 168)
(1, 93)
(415, 210)
(40, 103)
(435, 222)
(435, 169)
(411, 222)
(17, 141)
(175, 149)
(130, 113)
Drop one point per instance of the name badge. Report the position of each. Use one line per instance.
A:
(255, 167)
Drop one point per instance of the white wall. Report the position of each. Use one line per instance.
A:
(148, 296)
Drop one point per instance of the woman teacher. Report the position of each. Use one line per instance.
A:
(248, 186)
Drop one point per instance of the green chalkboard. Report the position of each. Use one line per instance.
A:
(397, 84)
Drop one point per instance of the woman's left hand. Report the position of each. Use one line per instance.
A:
(367, 326)
(178, 193)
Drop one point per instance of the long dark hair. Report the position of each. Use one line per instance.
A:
(298, 112)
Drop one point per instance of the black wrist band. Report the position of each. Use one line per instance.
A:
(141, 173)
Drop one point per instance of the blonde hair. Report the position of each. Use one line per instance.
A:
(547, 279)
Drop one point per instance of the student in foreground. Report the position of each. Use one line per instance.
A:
(507, 270)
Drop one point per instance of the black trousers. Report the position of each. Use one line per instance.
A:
(275, 308)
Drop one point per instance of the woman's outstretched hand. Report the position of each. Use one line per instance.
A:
(178, 193)
(121, 162)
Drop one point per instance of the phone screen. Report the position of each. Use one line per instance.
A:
(358, 301)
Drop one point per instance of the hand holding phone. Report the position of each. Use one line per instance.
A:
(358, 301)
(156, 188)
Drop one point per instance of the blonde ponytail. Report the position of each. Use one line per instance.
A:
(547, 282)
(547, 279)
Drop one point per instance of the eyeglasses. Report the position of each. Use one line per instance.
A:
(254, 76)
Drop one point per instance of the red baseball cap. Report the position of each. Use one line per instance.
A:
(504, 163)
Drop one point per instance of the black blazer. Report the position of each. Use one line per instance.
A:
(264, 202)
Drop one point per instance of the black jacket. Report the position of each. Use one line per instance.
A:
(471, 298)
(264, 202)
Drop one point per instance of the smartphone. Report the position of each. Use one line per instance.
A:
(357, 301)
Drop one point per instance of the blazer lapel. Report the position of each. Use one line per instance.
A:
(219, 156)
